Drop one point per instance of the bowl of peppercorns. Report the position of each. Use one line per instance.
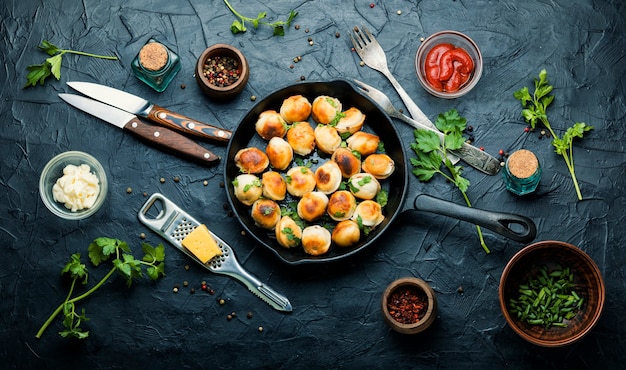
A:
(222, 71)
(409, 305)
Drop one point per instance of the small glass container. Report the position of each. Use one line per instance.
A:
(522, 172)
(156, 65)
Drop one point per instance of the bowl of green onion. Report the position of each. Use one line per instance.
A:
(551, 293)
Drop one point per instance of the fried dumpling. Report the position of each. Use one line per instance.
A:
(328, 177)
(379, 165)
(270, 124)
(327, 138)
(363, 142)
(364, 185)
(273, 185)
(279, 153)
(265, 213)
(247, 188)
(300, 180)
(251, 160)
(316, 240)
(341, 205)
(295, 108)
(348, 163)
(351, 121)
(312, 206)
(288, 233)
(346, 233)
(325, 108)
(301, 137)
(369, 213)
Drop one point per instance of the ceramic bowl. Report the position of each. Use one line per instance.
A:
(416, 287)
(212, 88)
(458, 40)
(54, 170)
(588, 284)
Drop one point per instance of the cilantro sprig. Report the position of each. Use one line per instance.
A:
(534, 111)
(432, 152)
(239, 26)
(38, 73)
(102, 250)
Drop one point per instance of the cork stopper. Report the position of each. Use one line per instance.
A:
(153, 56)
(523, 164)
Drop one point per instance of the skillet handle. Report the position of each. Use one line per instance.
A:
(498, 222)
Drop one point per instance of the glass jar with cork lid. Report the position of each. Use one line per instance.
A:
(522, 172)
(156, 65)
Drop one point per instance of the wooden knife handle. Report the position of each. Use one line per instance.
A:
(187, 125)
(171, 142)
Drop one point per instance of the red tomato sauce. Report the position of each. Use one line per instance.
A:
(448, 67)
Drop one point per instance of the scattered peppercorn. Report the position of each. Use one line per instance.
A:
(129, 190)
(185, 283)
(372, 5)
(306, 30)
(229, 317)
(302, 78)
(211, 291)
(205, 183)
(311, 42)
(459, 289)
(186, 267)
(526, 129)
(203, 286)
(221, 184)
(145, 193)
(162, 180)
(142, 235)
(243, 232)
(221, 301)
(501, 152)
(253, 97)
(337, 34)
(176, 179)
(399, 12)
(292, 66)
(361, 63)
(297, 26)
(192, 291)
(482, 148)
(233, 314)
(260, 328)
(175, 290)
(470, 128)
(183, 86)
(249, 314)
(422, 39)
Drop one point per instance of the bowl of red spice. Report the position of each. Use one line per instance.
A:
(222, 71)
(409, 305)
(551, 293)
(448, 64)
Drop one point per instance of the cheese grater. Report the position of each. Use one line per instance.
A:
(173, 224)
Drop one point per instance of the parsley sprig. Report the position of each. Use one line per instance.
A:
(239, 26)
(432, 152)
(37, 73)
(534, 110)
(123, 262)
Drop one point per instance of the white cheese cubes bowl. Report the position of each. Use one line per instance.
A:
(81, 193)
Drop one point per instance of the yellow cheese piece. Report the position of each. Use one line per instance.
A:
(201, 244)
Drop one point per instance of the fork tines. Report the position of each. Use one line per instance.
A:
(362, 37)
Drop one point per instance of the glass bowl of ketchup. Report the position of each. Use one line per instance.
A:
(448, 64)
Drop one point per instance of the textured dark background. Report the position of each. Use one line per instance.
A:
(336, 322)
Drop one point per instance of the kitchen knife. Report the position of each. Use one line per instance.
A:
(161, 137)
(143, 108)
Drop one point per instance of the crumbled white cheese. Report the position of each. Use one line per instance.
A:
(77, 189)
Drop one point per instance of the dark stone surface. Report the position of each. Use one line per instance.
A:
(336, 322)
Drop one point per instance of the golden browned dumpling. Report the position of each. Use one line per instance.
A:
(301, 137)
(265, 213)
(351, 121)
(295, 108)
(379, 165)
(300, 180)
(251, 160)
(312, 206)
(364, 186)
(274, 185)
(328, 177)
(327, 138)
(348, 163)
(270, 124)
(279, 152)
(316, 240)
(369, 213)
(341, 205)
(346, 233)
(288, 233)
(363, 142)
(325, 108)
(247, 188)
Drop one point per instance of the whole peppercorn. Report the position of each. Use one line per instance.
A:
(249, 314)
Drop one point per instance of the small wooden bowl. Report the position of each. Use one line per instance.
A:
(222, 92)
(588, 282)
(426, 319)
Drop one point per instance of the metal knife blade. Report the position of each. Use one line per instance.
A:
(143, 108)
(161, 137)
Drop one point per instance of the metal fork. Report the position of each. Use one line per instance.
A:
(471, 155)
(373, 55)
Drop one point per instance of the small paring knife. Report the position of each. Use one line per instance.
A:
(164, 139)
(143, 108)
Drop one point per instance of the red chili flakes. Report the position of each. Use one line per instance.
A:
(407, 305)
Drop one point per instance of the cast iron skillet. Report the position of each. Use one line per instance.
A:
(379, 123)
